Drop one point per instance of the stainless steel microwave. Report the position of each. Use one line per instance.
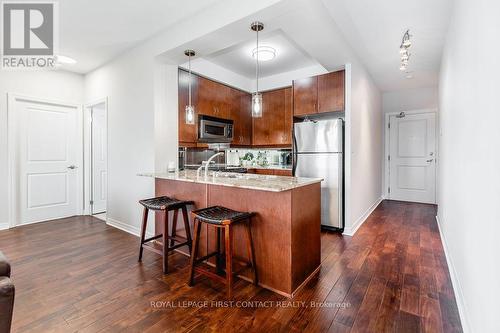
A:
(213, 129)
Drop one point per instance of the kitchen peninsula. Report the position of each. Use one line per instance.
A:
(285, 229)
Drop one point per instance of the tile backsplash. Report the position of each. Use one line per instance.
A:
(258, 157)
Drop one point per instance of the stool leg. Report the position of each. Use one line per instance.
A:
(218, 268)
(229, 260)
(165, 243)
(187, 228)
(194, 253)
(251, 253)
(174, 226)
(143, 230)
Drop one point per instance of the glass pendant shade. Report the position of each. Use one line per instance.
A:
(189, 115)
(257, 105)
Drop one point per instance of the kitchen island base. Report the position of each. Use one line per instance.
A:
(285, 229)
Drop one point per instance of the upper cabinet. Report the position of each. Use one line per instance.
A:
(217, 100)
(319, 94)
(242, 117)
(305, 96)
(274, 128)
(213, 98)
(331, 92)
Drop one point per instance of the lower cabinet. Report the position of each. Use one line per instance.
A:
(273, 172)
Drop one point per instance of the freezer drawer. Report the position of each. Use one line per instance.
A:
(329, 167)
(324, 136)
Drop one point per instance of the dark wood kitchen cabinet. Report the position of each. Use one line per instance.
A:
(217, 100)
(319, 94)
(305, 96)
(274, 127)
(213, 98)
(242, 117)
(331, 92)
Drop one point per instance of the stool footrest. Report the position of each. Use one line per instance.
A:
(152, 249)
(179, 239)
(178, 245)
(151, 238)
(210, 255)
(211, 274)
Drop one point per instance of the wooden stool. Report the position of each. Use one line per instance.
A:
(221, 218)
(165, 204)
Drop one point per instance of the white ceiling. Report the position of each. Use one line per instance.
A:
(96, 31)
(325, 32)
(374, 30)
(238, 58)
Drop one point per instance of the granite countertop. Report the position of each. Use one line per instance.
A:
(248, 181)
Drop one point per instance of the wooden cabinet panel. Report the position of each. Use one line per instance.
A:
(274, 128)
(187, 133)
(305, 96)
(331, 92)
(281, 172)
(287, 135)
(213, 98)
(242, 117)
(318, 94)
(271, 172)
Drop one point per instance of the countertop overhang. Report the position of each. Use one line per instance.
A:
(248, 181)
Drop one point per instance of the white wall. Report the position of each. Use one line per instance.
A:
(410, 99)
(364, 141)
(55, 85)
(469, 175)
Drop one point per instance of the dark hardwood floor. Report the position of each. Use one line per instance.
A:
(78, 274)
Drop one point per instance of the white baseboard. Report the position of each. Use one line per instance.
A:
(136, 231)
(4, 226)
(457, 288)
(350, 231)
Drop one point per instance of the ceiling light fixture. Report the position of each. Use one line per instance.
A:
(189, 108)
(257, 97)
(404, 50)
(64, 60)
(265, 53)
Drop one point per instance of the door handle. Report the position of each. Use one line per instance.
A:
(72, 167)
(430, 160)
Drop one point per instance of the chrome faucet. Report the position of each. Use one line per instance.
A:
(207, 163)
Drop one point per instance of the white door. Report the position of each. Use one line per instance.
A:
(99, 159)
(412, 159)
(47, 152)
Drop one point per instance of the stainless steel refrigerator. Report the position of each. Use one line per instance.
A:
(318, 152)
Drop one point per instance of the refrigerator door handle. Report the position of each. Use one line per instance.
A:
(294, 154)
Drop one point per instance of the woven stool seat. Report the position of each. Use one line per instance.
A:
(220, 215)
(163, 203)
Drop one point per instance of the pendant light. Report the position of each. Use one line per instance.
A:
(257, 97)
(190, 119)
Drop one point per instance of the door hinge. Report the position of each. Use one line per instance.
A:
(91, 202)
(389, 157)
(389, 190)
(389, 125)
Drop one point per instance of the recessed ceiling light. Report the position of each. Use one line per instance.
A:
(266, 53)
(64, 60)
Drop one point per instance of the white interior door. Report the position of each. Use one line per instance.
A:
(412, 164)
(99, 159)
(47, 152)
